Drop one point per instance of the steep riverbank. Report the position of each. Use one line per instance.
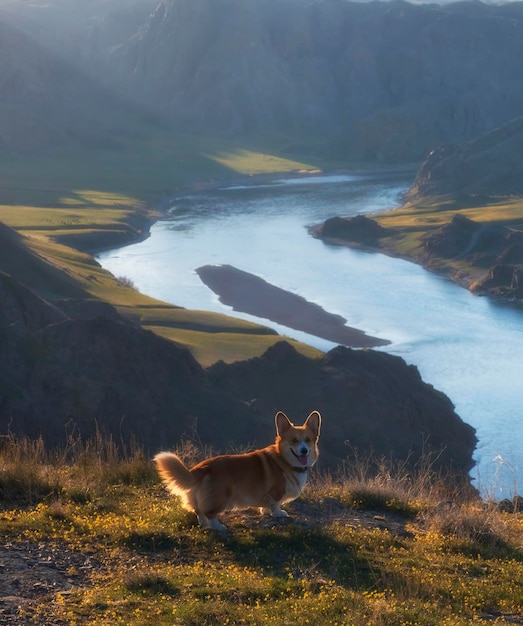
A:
(478, 247)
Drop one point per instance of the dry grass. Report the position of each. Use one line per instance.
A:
(372, 546)
(410, 223)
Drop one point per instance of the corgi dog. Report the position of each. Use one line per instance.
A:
(264, 478)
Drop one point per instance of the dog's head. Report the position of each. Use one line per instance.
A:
(298, 444)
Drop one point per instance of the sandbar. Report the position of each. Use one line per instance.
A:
(251, 294)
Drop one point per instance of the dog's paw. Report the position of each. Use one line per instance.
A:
(214, 524)
(279, 513)
(208, 523)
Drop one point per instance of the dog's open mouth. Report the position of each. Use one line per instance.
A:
(302, 458)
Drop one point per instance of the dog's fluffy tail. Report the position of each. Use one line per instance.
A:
(175, 476)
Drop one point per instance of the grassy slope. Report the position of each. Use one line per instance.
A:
(411, 222)
(95, 199)
(98, 540)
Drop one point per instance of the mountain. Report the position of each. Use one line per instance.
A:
(386, 81)
(52, 95)
(75, 368)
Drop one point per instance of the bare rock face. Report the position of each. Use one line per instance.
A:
(498, 249)
(505, 281)
(381, 81)
(63, 376)
(481, 243)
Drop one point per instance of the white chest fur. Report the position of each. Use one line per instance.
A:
(294, 485)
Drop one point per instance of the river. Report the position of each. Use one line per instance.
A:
(467, 346)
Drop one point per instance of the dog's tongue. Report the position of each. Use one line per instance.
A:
(303, 459)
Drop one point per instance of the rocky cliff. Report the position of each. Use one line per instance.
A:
(481, 172)
(485, 257)
(497, 248)
(74, 368)
(487, 166)
(377, 81)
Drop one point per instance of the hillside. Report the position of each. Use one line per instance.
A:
(488, 166)
(77, 367)
(51, 100)
(386, 81)
(90, 537)
(485, 172)
(461, 217)
(17, 258)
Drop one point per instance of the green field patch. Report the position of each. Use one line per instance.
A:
(249, 162)
(208, 348)
(71, 203)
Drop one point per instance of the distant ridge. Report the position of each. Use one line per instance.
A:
(373, 81)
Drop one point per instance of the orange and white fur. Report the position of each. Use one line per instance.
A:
(265, 478)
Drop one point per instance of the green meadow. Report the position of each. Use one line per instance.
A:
(89, 536)
(66, 205)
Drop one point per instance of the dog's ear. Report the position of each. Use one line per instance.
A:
(313, 423)
(283, 423)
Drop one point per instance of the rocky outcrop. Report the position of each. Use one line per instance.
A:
(358, 229)
(498, 249)
(75, 375)
(480, 243)
(372, 402)
(504, 281)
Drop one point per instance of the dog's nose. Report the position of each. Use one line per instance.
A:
(304, 450)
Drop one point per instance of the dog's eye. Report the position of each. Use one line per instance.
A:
(307, 439)
(294, 440)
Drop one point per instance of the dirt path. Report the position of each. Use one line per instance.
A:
(31, 572)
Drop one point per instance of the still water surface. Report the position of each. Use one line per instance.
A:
(464, 345)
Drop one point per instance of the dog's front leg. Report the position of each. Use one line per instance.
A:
(277, 511)
(211, 523)
(272, 507)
